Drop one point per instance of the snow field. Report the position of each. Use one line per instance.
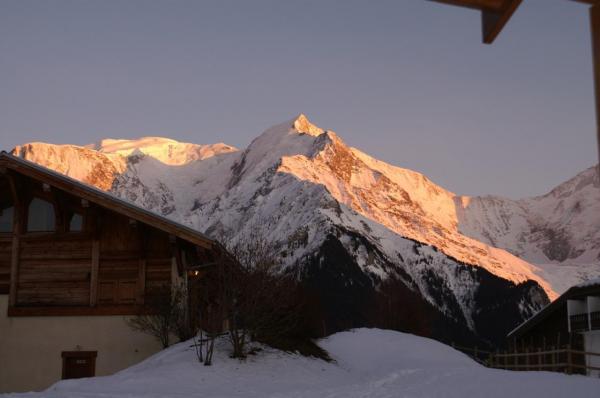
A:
(368, 363)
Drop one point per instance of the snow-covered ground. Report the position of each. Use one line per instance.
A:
(368, 363)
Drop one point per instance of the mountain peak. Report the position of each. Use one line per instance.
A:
(303, 125)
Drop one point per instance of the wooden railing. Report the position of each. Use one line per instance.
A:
(565, 360)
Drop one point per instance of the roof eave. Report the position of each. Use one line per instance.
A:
(104, 199)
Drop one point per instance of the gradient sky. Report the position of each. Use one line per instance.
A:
(407, 81)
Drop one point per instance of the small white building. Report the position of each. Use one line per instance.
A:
(573, 319)
(584, 318)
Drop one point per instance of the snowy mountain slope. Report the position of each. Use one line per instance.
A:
(167, 151)
(561, 227)
(368, 363)
(404, 201)
(165, 165)
(76, 162)
(319, 201)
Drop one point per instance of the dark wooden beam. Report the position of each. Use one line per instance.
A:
(142, 262)
(493, 22)
(14, 191)
(475, 4)
(176, 250)
(94, 272)
(80, 311)
(595, 22)
(495, 14)
(14, 269)
(494, 5)
(16, 244)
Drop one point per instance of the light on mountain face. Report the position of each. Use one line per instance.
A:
(306, 183)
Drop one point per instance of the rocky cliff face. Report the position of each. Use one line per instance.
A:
(346, 222)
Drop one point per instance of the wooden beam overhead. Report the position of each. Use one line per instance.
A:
(494, 5)
(495, 14)
(475, 4)
(492, 22)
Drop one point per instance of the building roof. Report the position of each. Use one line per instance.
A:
(103, 199)
(577, 291)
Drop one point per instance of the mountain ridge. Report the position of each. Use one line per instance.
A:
(309, 191)
(310, 153)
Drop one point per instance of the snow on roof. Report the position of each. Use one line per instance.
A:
(590, 282)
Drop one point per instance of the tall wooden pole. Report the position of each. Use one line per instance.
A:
(595, 22)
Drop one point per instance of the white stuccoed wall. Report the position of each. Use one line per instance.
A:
(592, 344)
(30, 347)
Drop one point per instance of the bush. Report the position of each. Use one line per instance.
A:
(163, 315)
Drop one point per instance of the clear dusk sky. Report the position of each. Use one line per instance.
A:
(407, 81)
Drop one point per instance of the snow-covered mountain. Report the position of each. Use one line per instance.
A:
(347, 221)
(559, 231)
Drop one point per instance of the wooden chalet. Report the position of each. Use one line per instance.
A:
(572, 320)
(74, 263)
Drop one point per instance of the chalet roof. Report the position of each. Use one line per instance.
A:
(103, 199)
(575, 292)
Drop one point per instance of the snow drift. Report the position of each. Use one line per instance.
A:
(368, 363)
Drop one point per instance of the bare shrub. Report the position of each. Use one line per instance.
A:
(207, 309)
(251, 295)
(161, 315)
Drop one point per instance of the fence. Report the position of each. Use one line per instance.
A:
(566, 359)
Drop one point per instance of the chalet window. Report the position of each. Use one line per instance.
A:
(41, 216)
(6, 218)
(76, 223)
